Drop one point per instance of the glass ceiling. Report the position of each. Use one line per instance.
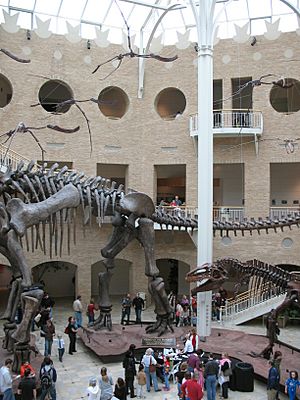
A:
(142, 15)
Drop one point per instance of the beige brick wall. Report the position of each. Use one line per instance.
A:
(141, 134)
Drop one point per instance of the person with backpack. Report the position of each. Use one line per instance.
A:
(48, 377)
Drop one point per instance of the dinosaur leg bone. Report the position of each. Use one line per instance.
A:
(146, 236)
(25, 215)
(13, 300)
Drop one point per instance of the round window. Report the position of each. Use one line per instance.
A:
(285, 96)
(53, 93)
(6, 91)
(113, 102)
(170, 103)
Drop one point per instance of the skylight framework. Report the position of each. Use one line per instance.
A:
(142, 16)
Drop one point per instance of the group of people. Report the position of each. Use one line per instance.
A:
(28, 380)
(274, 374)
(184, 311)
(137, 303)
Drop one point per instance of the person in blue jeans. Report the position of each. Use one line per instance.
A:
(291, 385)
(210, 374)
(149, 364)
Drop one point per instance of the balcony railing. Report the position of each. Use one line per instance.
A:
(10, 158)
(282, 212)
(231, 123)
(219, 213)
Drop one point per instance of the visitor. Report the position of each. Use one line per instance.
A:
(93, 389)
(45, 315)
(159, 366)
(48, 302)
(188, 347)
(211, 372)
(105, 385)
(77, 307)
(130, 372)
(194, 304)
(141, 379)
(195, 339)
(149, 364)
(48, 331)
(91, 312)
(223, 293)
(178, 314)
(27, 386)
(26, 366)
(6, 380)
(60, 347)
(176, 202)
(191, 388)
(120, 390)
(126, 307)
(71, 331)
(48, 377)
(273, 381)
(224, 374)
(277, 361)
(172, 303)
(291, 385)
(179, 377)
(166, 373)
(193, 362)
(138, 305)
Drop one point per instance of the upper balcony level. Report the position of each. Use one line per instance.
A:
(231, 123)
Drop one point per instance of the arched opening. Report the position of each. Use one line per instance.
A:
(5, 279)
(6, 91)
(58, 278)
(54, 92)
(170, 103)
(113, 102)
(285, 96)
(173, 273)
(119, 284)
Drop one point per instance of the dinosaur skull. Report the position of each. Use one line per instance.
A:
(208, 277)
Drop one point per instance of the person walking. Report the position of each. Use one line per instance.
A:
(93, 389)
(141, 379)
(191, 388)
(77, 307)
(105, 385)
(6, 380)
(71, 330)
(211, 372)
(126, 307)
(60, 347)
(291, 385)
(48, 331)
(149, 364)
(27, 386)
(273, 381)
(138, 305)
(48, 377)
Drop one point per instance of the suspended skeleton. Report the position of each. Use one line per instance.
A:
(22, 128)
(13, 57)
(130, 54)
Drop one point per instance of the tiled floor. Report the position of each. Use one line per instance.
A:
(74, 372)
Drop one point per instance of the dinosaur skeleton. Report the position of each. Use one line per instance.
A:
(212, 276)
(14, 57)
(35, 199)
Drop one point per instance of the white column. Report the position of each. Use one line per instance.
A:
(204, 21)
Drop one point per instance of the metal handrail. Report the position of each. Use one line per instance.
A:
(11, 158)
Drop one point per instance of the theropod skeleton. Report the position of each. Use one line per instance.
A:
(212, 276)
(38, 199)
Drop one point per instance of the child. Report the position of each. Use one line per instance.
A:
(291, 385)
(141, 378)
(166, 373)
(60, 347)
(93, 390)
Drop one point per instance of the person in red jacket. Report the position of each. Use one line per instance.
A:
(191, 389)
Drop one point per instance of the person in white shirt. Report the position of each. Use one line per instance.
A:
(77, 307)
(60, 346)
(93, 390)
(6, 380)
(188, 346)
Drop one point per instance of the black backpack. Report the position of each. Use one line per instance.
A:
(46, 378)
